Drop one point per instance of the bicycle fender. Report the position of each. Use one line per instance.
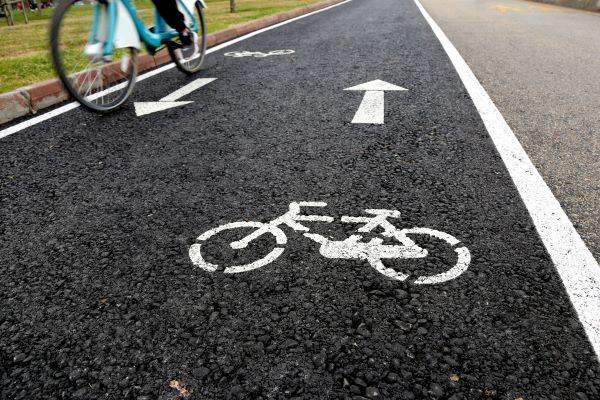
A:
(202, 3)
(126, 34)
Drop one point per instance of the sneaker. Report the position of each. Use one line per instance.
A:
(189, 45)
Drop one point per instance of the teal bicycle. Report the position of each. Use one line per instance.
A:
(95, 45)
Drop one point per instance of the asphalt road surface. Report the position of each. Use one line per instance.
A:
(539, 64)
(99, 296)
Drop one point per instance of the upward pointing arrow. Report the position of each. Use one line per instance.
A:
(371, 108)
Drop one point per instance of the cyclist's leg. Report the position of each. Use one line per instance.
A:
(170, 13)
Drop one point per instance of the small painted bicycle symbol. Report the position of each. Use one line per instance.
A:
(258, 54)
(373, 251)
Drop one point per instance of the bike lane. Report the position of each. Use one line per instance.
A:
(100, 297)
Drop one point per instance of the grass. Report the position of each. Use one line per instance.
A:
(24, 56)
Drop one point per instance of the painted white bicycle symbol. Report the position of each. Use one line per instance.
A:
(373, 251)
(258, 54)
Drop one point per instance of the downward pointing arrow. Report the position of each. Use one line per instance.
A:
(149, 107)
(371, 108)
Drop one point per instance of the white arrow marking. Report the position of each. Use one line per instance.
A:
(371, 107)
(149, 107)
(143, 108)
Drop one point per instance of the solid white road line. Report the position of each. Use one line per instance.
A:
(68, 107)
(574, 262)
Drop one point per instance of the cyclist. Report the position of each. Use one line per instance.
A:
(174, 18)
(170, 13)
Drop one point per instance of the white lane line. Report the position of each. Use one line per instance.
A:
(574, 262)
(71, 106)
(68, 107)
(38, 119)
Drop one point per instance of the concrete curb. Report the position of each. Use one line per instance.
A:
(30, 99)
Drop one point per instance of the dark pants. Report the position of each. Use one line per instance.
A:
(170, 13)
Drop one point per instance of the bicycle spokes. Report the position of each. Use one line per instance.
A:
(99, 82)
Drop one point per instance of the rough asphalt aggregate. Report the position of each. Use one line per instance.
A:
(99, 298)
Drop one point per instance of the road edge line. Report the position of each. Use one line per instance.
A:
(576, 266)
(226, 39)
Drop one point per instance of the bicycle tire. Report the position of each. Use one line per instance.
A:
(92, 99)
(187, 66)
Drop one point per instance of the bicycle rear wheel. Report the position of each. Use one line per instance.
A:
(191, 65)
(99, 84)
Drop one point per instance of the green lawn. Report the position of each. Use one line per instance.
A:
(24, 57)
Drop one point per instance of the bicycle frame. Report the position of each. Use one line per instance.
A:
(117, 25)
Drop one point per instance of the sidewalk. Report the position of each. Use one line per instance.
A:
(540, 65)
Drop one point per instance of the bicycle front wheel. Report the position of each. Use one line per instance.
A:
(100, 84)
(193, 64)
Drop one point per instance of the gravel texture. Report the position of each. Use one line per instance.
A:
(99, 299)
